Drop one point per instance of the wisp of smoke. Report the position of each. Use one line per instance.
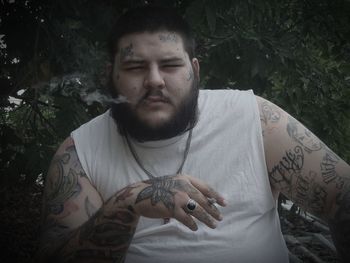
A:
(96, 96)
(82, 84)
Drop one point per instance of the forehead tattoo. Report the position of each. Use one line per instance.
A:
(169, 37)
(126, 52)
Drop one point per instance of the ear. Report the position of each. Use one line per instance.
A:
(195, 66)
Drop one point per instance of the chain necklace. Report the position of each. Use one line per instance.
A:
(149, 174)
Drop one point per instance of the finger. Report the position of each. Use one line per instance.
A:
(186, 219)
(208, 204)
(211, 208)
(207, 191)
(199, 213)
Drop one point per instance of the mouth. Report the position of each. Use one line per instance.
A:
(154, 98)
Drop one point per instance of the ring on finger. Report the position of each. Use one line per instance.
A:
(191, 205)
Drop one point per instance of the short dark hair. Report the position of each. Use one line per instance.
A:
(151, 19)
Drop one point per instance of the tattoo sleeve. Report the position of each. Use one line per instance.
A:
(307, 172)
(77, 226)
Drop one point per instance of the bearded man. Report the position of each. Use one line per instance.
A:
(181, 174)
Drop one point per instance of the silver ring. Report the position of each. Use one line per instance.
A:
(191, 205)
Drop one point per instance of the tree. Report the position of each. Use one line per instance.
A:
(295, 53)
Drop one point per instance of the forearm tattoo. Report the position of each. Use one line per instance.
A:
(107, 233)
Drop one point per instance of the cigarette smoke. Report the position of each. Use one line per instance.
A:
(84, 86)
(96, 96)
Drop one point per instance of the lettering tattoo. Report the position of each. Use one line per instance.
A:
(162, 189)
(126, 52)
(303, 136)
(309, 194)
(170, 37)
(288, 168)
(328, 169)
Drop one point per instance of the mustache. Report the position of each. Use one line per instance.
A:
(154, 93)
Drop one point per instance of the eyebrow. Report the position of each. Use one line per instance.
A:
(172, 60)
(133, 61)
(127, 62)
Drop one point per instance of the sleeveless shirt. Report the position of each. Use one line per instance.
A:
(226, 152)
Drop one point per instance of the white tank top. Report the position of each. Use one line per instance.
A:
(226, 152)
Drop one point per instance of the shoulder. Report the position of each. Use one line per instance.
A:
(225, 96)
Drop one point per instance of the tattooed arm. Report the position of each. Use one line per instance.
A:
(79, 227)
(307, 172)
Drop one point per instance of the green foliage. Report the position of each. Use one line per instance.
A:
(295, 53)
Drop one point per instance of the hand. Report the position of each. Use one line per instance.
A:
(168, 196)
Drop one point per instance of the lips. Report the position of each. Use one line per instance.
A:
(155, 97)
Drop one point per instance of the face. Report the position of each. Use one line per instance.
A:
(157, 78)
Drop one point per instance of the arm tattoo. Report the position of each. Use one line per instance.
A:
(305, 138)
(269, 113)
(290, 166)
(106, 236)
(111, 227)
(64, 184)
(328, 169)
(310, 194)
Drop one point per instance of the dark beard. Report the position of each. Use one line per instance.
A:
(183, 120)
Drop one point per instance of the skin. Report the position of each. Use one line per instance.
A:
(307, 172)
(154, 73)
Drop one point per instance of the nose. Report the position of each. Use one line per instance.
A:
(154, 79)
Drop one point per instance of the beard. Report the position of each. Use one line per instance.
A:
(184, 119)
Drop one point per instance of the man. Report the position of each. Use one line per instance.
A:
(177, 174)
